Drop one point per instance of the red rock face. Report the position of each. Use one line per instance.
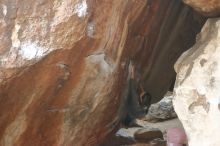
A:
(64, 64)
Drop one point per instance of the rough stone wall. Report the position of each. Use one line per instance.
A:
(197, 89)
(64, 64)
(163, 30)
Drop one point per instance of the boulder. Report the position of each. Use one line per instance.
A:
(147, 134)
(64, 65)
(125, 136)
(197, 88)
(161, 110)
(209, 8)
(150, 144)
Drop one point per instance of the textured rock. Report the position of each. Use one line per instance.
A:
(64, 65)
(206, 7)
(125, 136)
(197, 88)
(148, 134)
(153, 143)
(162, 125)
(163, 144)
(161, 110)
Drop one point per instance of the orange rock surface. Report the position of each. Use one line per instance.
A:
(64, 64)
